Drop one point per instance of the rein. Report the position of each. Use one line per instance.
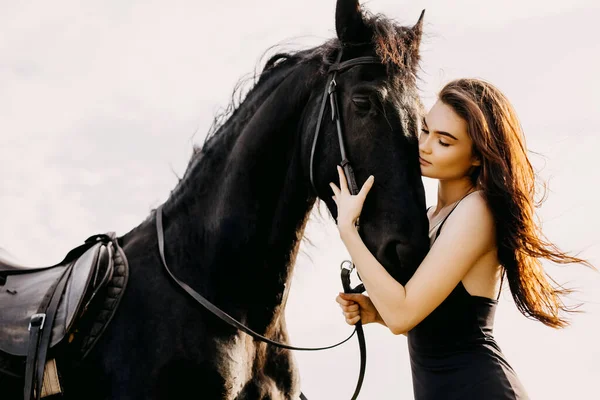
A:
(346, 267)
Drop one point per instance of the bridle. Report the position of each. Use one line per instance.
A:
(346, 267)
(330, 91)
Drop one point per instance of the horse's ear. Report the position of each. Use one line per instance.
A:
(414, 41)
(418, 28)
(349, 23)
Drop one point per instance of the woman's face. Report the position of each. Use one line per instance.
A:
(445, 148)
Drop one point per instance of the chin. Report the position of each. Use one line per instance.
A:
(426, 174)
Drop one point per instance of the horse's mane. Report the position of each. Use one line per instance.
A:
(277, 66)
(392, 43)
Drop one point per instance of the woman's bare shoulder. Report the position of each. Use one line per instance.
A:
(474, 207)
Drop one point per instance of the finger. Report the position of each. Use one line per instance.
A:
(350, 315)
(343, 181)
(353, 321)
(350, 308)
(355, 297)
(344, 302)
(366, 187)
(334, 188)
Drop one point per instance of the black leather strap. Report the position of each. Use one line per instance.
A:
(236, 324)
(353, 62)
(214, 309)
(108, 274)
(319, 120)
(330, 92)
(362, 344)
(35, 328)
(39, 338)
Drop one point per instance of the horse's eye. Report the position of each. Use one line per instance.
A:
(362, 103)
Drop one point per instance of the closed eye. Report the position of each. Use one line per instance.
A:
(444, 144)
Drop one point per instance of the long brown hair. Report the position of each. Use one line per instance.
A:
(508, 181)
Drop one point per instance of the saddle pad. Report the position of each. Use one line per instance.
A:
(22, 294)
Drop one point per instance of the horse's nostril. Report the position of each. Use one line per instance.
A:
(398, 254)
(404, 252)
(390, 255)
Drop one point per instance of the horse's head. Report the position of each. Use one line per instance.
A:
(379, 114)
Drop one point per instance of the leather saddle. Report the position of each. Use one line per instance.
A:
(39, 306)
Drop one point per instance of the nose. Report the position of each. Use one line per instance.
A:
(424, 145)
(398, 254)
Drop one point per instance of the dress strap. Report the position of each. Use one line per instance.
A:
(501, 281)
(437, 234)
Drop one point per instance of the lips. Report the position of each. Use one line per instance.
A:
(423, 161)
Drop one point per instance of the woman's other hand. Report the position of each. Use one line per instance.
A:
(358, 307)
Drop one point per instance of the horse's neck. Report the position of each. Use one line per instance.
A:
(233, 225)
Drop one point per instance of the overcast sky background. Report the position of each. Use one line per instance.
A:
(100, 105)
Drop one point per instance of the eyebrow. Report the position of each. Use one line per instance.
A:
(442, 133)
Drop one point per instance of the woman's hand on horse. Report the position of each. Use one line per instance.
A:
(349, 206)
(358, 307)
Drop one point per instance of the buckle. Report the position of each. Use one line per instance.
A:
(37, 320)
(332, 86)
(347, 264)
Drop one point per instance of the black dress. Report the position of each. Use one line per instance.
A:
(453, 353)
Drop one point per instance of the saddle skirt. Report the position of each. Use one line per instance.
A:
(98, 271)
(25, 288)
(88, 284)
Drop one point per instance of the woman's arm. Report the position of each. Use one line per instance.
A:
(468, 235)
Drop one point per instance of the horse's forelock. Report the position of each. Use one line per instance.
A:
(397, 46)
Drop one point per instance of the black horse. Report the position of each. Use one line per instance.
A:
(234, 222)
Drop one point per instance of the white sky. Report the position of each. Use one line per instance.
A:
(100, 105)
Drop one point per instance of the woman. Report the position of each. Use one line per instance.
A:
(471, 141)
